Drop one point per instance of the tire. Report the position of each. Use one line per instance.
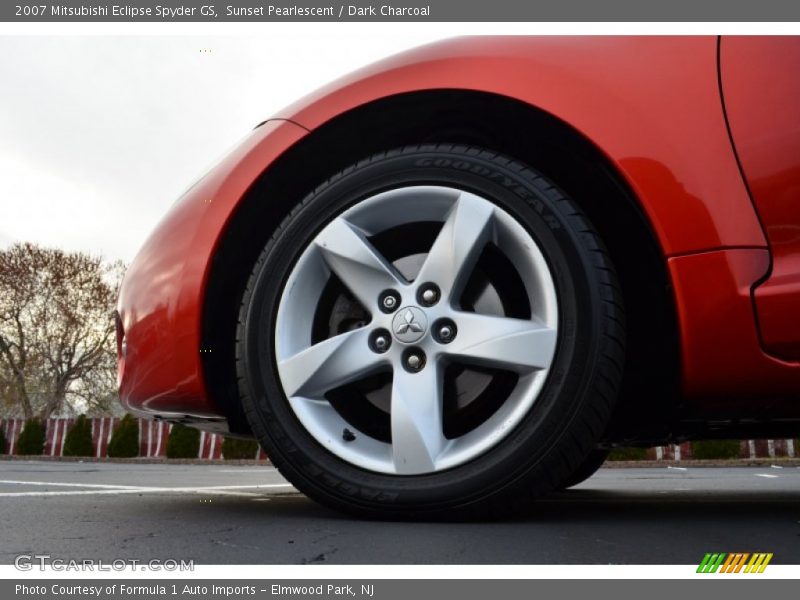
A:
(588, 468)
(482, 474)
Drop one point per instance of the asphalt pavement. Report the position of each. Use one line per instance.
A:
(221, 514)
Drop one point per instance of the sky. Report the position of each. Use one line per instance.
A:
(99, 135)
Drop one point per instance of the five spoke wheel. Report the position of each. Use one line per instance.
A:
(417, 327)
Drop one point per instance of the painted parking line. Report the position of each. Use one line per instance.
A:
(138, 487)
(116, 493)
(63, 484)
(241, 470)
(111, 489)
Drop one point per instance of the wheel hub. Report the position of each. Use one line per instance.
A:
(410, 324)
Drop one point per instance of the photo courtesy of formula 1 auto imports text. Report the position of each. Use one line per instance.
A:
(407, 299)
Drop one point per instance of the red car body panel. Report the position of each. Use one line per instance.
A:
(724, 367)
(761, 85)
(161, 299)
(652, 106)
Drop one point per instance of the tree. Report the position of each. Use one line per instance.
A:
(233, 448)
(628, 453)
(31, 440)
(96, 392)
(7, 403)
(183, 442)
(56, 329)
(125, 439)
(715, 449)
(79, 438)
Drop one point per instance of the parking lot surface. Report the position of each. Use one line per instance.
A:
(221, 514)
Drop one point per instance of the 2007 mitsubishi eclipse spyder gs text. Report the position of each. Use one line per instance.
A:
(452, 281)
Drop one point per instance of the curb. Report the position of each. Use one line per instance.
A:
(610, 464)
(138, 460)
(703, 463)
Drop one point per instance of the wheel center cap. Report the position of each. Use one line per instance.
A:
(409, 324)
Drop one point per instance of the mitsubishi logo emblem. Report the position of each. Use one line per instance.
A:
(409, 324)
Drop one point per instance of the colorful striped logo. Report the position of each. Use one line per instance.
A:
(737, 562)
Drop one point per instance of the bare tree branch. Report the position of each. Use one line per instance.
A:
(56, 331)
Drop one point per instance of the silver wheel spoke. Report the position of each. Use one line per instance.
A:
(329, 364)
(516, 344)
(459, 244)
(416, 417)
(356, 262)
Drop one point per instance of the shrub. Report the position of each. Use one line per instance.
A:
(628, 454)
(715, 449)
(125, 439)
(2, 442)
(79, 438)
(31, 440)
(183, 442)
(233, 448)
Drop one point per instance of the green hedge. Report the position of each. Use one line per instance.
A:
(628, 454)
(715, 449)
(183, 442)
(79, 438)
(31, 440)
(233, 448)
(2, 442)
(125, 439)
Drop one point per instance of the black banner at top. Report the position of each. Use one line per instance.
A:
(403, 10)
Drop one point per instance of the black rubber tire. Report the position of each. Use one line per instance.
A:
(569, 415)
(588, 468)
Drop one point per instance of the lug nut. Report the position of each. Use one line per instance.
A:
(444, 331)
(388, 301)
(428, 294)
(379, 341)
(414, 361)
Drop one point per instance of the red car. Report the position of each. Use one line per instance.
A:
(449, 283)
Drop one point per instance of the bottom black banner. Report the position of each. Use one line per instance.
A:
(382, 589)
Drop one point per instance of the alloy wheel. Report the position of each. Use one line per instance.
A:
(411, 301)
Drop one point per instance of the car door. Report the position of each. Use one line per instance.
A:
(760, 81)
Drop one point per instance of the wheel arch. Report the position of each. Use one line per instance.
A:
(499, 123)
